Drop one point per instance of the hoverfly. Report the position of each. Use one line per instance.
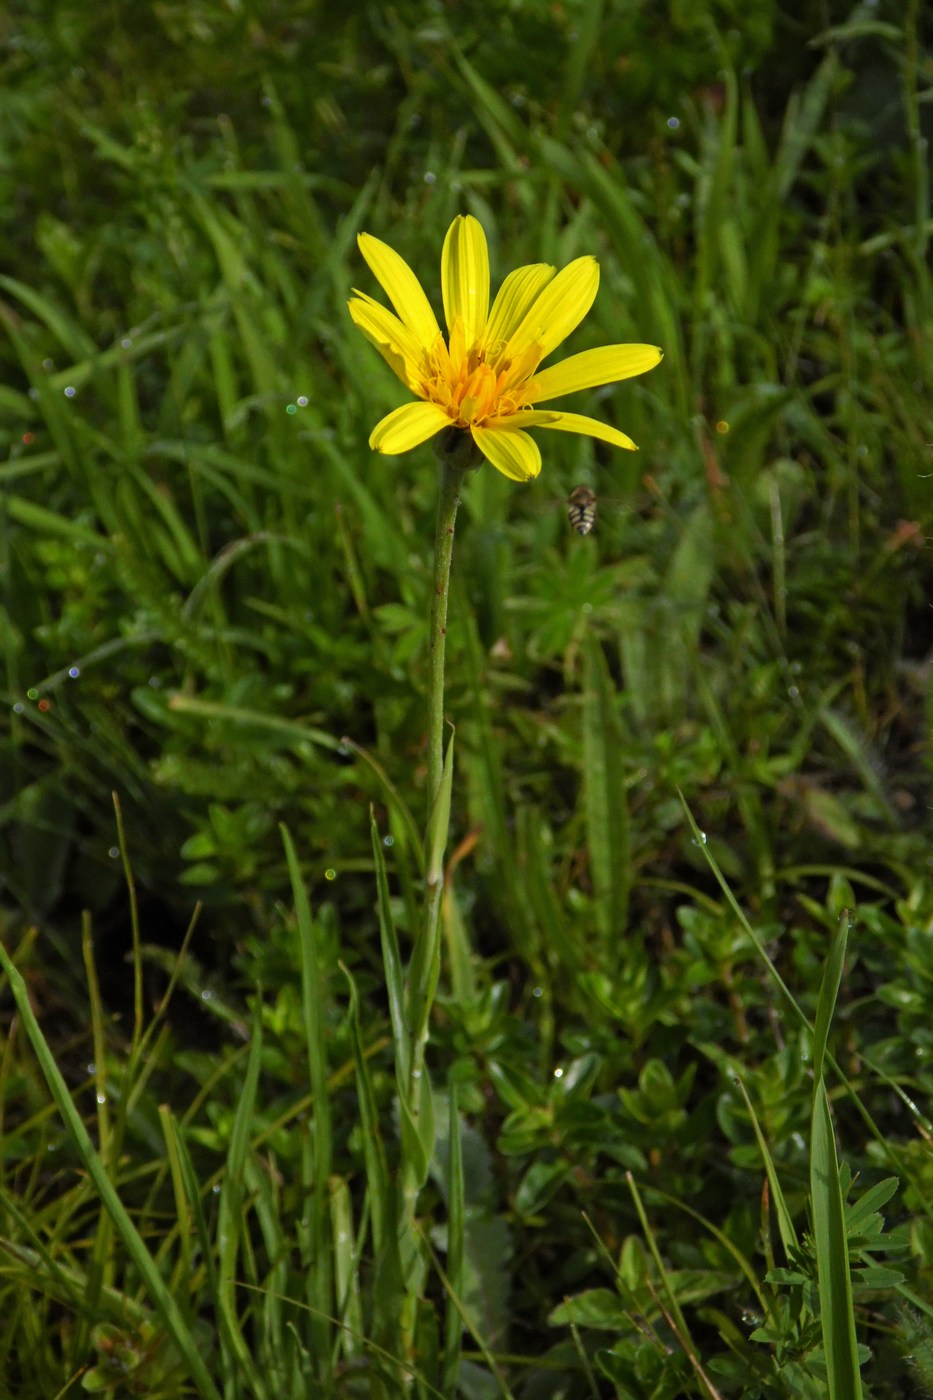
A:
(581, 509)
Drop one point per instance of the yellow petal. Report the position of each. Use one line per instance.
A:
(558, 310)
(407, 427)
(575, 423)
(511, 452)
(513, 301)
(402, 288)
(465, 277)
(604, 366)
(395, 343)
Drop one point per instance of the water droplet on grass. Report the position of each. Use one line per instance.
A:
(330, 873)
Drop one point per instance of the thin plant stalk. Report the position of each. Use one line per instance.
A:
(457, 455)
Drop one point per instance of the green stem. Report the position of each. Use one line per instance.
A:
(457, 454)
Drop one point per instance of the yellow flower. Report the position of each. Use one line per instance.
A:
(484, 378)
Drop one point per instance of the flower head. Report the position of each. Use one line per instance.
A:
(484, 378)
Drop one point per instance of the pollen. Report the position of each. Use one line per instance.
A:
(473, 392)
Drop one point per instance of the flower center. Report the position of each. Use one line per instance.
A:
(469, 390)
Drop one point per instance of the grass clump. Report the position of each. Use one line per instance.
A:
(679, 1046)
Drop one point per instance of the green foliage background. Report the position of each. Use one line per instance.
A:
(213, 603)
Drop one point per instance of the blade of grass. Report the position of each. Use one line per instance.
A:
(829, 991)
(785, 1221)
(132, 1240)
(347, 1254)
(676, 1317)
(837, 1317)
(318, 1245)
(380, 1182)
(605, 802)
(391, 964)
(231, 1222)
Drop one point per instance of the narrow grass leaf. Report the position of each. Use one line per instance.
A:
(66, 1285)
(417, 1129)
(71, 337)
(837, 1317)
(47, 522)
(268, 1321)
(829, 990)
(785, 1220)
(288, 730)
(132, 1240)
(231, 1223)
(388, 1287)
(319, 1283)
(188, 1212)
(854, 748)
(728, 1245)
(536, 864)
(605, 800)
(394, 800)
(676, 1317)
(803, 122)
(424, 968)
(346, 1273)
(391, 963)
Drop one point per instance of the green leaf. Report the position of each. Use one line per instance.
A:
(168, 1309)
(318, 1244)
(605, 800)
(829, 990)
(597, 1307)
(837, 1318)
